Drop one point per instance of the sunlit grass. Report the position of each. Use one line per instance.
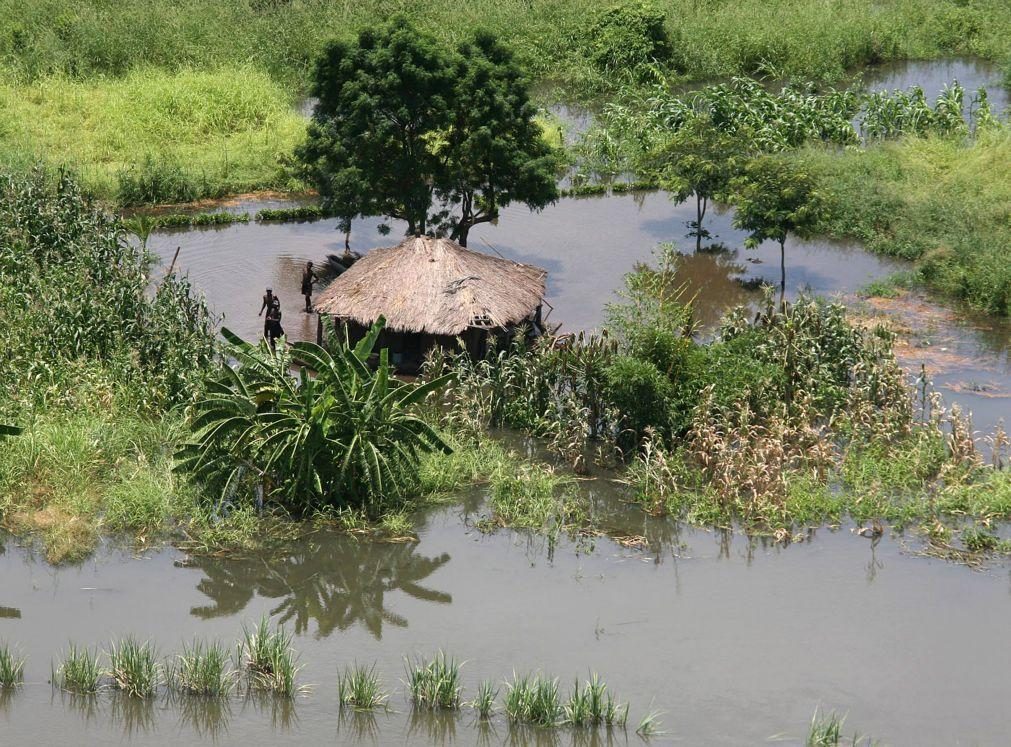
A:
(360, 687)
(80, 670)
(134, 668)
(203, 669)
(218, 131)
(434, 684)
(269, 659)
(12, 668)
(533, 699)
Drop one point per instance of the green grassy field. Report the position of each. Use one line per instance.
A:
(208, 132)
(194, 99)
(939, 201)
(809, 38)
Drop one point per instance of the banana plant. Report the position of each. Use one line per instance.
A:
(311, 425)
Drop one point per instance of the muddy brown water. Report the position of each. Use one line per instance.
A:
(587, 245)
(736, 642)
(933, 75)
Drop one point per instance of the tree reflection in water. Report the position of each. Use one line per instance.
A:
(338, 582)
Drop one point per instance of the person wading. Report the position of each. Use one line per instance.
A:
(308, 278)
(268, 301)
(272, 326)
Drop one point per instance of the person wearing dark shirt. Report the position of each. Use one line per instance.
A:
(268, 301)
(308, 278)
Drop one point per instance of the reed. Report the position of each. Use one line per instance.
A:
(269, 659)
(359, 687)
(80, 670)
(592, 705)
(134, 668)
(533, 699)
(434, 684)
(12, 668)
(203, 669)
(649, 725)
(826, 730)
(484, 703)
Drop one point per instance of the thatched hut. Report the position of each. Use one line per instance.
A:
(432, 292)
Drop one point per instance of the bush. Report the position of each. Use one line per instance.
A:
(344, 437)
(628, 36)
(641, 393)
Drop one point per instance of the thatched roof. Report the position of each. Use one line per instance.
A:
(434, 286)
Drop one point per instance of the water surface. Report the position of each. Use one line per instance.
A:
(736, 641)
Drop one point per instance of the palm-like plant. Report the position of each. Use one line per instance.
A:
(311, 425)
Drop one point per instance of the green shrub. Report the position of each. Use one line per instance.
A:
(629, 35)
(639, 390)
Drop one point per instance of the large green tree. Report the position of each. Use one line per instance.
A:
(441, 139)
(774, 199)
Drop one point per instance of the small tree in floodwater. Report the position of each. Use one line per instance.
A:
(343, 435)
(441, 139)
(698, 159)
(773, 199)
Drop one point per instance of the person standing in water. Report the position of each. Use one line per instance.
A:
(268, 301)
(272, 327)
(308, 278)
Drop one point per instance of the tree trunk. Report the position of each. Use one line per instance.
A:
(461, 234)
(701, 203)
(782, 269)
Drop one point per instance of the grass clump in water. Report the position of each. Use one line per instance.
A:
(204, 669)
(435, 684)
(12, 668)
(269, 659)
(533, 699)
(484, 703)
(134, 668)
(80, 671)
(593, 705)
(649, 725)
(359, 687)
(827, 731)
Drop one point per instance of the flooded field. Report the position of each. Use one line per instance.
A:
(736, 642)
(933, 75)
(587, 245)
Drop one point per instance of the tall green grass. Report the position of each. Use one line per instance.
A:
(360, 687)
(12, 668)
(203, 669)
(80, 670)
(269, 659)
(134, 667)
(155, 136)
(434, 684)
(533, 699)
(808, 38)
(941, 202)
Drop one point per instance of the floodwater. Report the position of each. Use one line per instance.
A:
(933, 75)
(587, 245)
(736, 642)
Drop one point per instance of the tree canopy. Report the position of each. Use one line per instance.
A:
(773, 199)
(441, 139)
(697, 159)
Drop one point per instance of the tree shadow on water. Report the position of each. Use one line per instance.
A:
(338, 583)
